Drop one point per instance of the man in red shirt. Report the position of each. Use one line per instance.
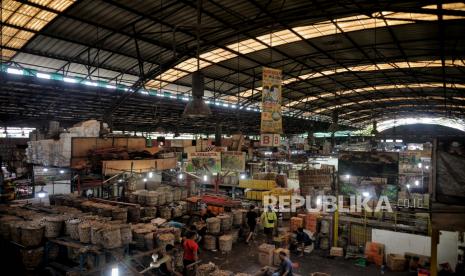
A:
(191, 249)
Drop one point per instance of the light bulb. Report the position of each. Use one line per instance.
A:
(408, 186)
(417, 182)
(62, 171)
(347, 176)
(180, 176)
(420, 165)
(150, 174)
(205, 177)
(145, 179)
(242, 176)
(366, 194)
(45, 169)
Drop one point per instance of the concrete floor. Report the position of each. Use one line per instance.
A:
(243, 258)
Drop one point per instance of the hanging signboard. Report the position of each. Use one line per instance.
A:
(233, 161)
(271, 120)
(270, 140)
(204, 162)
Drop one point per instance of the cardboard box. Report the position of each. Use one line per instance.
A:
(276, 260)
(265, 259)
(336, 252)
(266, 248)
(396, 262)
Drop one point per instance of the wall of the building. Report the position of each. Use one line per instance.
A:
(400, 243)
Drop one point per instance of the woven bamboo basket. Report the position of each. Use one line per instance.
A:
(169, 196)
(111, 237)
(72, 228)
(213, 225)
(96, 234)
(237, 217)
(165, 212)
(132, 197)
(184, 193)
(120, 214)
(15, 231)
(84, 232)
(131, 184)
(142, 196)
(177, 195)
(53, 251)
(151, 199)
(139, 237)
(106, 210)
(235, 234)
(184, 206)
(226, 222)
(149, 241)
(32, 257)
(126, 233)
(225, 243)
(133, 214)
(209, 242)
(5, 225)
(206, 269)
(150, 212)
(31, 234)
(164, 239)
(177, 212)
(222, 273)
(53, 226)
(161, 198)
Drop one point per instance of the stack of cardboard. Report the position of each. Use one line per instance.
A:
(265, 254)
(396, 262)
(336, 252)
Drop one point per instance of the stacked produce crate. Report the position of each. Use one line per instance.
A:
(258, 188)
(314, 181)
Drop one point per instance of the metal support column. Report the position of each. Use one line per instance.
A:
(335, 227)
(434, 252)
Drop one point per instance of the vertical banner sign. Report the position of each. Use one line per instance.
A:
(271, 101)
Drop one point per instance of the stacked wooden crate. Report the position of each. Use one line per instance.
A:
(313, 180)
(309, 221)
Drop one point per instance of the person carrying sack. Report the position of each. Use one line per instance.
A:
(269, 221)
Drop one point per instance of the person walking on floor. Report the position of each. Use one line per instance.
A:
(191, 249)
(251, 222)
(269, 221)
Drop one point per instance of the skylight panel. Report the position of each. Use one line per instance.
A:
(28, 17)
(459, 6)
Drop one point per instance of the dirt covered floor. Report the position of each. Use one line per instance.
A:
(244, 258)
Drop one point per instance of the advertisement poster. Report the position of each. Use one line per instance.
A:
(271, 120)
(204, 162)
(233, 161)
